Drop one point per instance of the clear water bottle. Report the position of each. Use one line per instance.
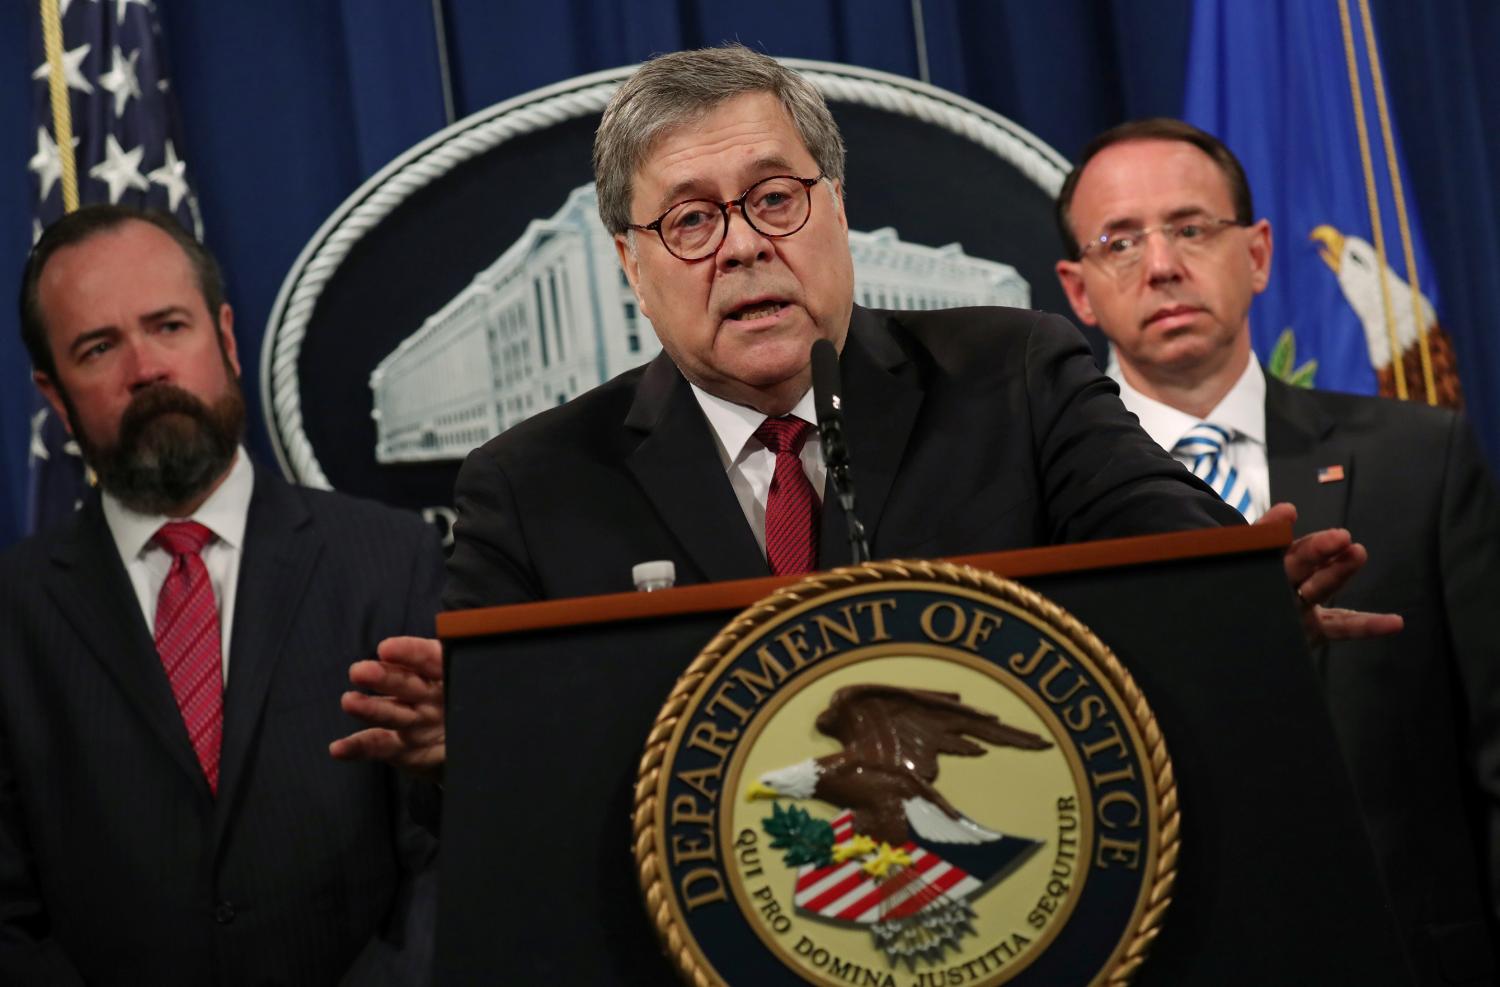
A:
(654, 575)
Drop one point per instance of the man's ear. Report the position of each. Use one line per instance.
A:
(1260, 255)
(630, 263)
(1070, 275)
(226, 337)
(54, 398)
(838, 205)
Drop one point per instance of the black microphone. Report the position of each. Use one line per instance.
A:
(828, 398)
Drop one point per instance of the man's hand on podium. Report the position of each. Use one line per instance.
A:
(402, 701)
(1318, 565)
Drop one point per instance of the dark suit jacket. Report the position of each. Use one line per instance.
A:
(117, 866)
(1417, 714)
(969, 430)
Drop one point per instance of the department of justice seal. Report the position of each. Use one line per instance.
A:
(906, 774)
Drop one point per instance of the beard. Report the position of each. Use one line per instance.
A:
(171, 447)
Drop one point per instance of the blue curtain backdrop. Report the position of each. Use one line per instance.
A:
(288, 105)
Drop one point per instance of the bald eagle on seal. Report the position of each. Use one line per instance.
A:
(892, 737)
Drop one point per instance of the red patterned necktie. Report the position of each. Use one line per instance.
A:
(792, 508)
(187, 638)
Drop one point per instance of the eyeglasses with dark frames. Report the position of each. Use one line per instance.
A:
(775, 207)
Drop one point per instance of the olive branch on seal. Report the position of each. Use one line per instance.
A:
(806, 840)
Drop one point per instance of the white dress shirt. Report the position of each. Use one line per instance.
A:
(1243, 409)
(224, 513)
(748, 463)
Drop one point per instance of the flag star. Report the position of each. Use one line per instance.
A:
(65, 4)
(121, 5)
(172, 176)
(38, 449)
(47, 161)
(72, 69)
(121, 78)
(120, 168)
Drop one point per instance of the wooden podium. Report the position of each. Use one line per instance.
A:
(549, 705)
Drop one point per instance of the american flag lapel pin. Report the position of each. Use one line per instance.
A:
(1330, 474)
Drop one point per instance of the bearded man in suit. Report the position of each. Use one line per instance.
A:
(1165, 258)
(171, 659)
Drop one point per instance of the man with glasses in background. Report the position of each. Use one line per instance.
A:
(1165, 258)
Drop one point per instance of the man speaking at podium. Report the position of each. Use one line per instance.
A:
(720, 174)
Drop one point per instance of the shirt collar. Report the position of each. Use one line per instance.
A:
(1243, 409)
(733, 424)
(224, 513)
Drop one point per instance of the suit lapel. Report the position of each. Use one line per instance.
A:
(92, 591)
(279, 556)
(678, 467)
(1300, 442)
(882, 397)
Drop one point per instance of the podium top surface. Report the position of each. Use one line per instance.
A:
(741, 593)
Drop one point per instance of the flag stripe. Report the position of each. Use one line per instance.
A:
(858, 906)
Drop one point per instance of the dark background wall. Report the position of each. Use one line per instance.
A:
(288, 105)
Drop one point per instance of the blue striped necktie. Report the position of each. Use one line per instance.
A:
(1202, 450)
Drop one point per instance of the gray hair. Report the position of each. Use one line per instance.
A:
(672, 90)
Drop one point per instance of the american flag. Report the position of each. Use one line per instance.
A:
(106, 131)
(1330, 474)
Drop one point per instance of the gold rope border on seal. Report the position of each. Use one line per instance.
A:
(644, 818)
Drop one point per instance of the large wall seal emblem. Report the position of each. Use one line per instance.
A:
(906, 774)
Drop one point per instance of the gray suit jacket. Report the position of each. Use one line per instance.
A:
(116, 863)
(1417, 714)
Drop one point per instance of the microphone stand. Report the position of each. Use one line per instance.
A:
(828, 398)
(836, 456)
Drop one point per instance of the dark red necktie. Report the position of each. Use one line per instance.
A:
(187, 638)
(792, 508)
